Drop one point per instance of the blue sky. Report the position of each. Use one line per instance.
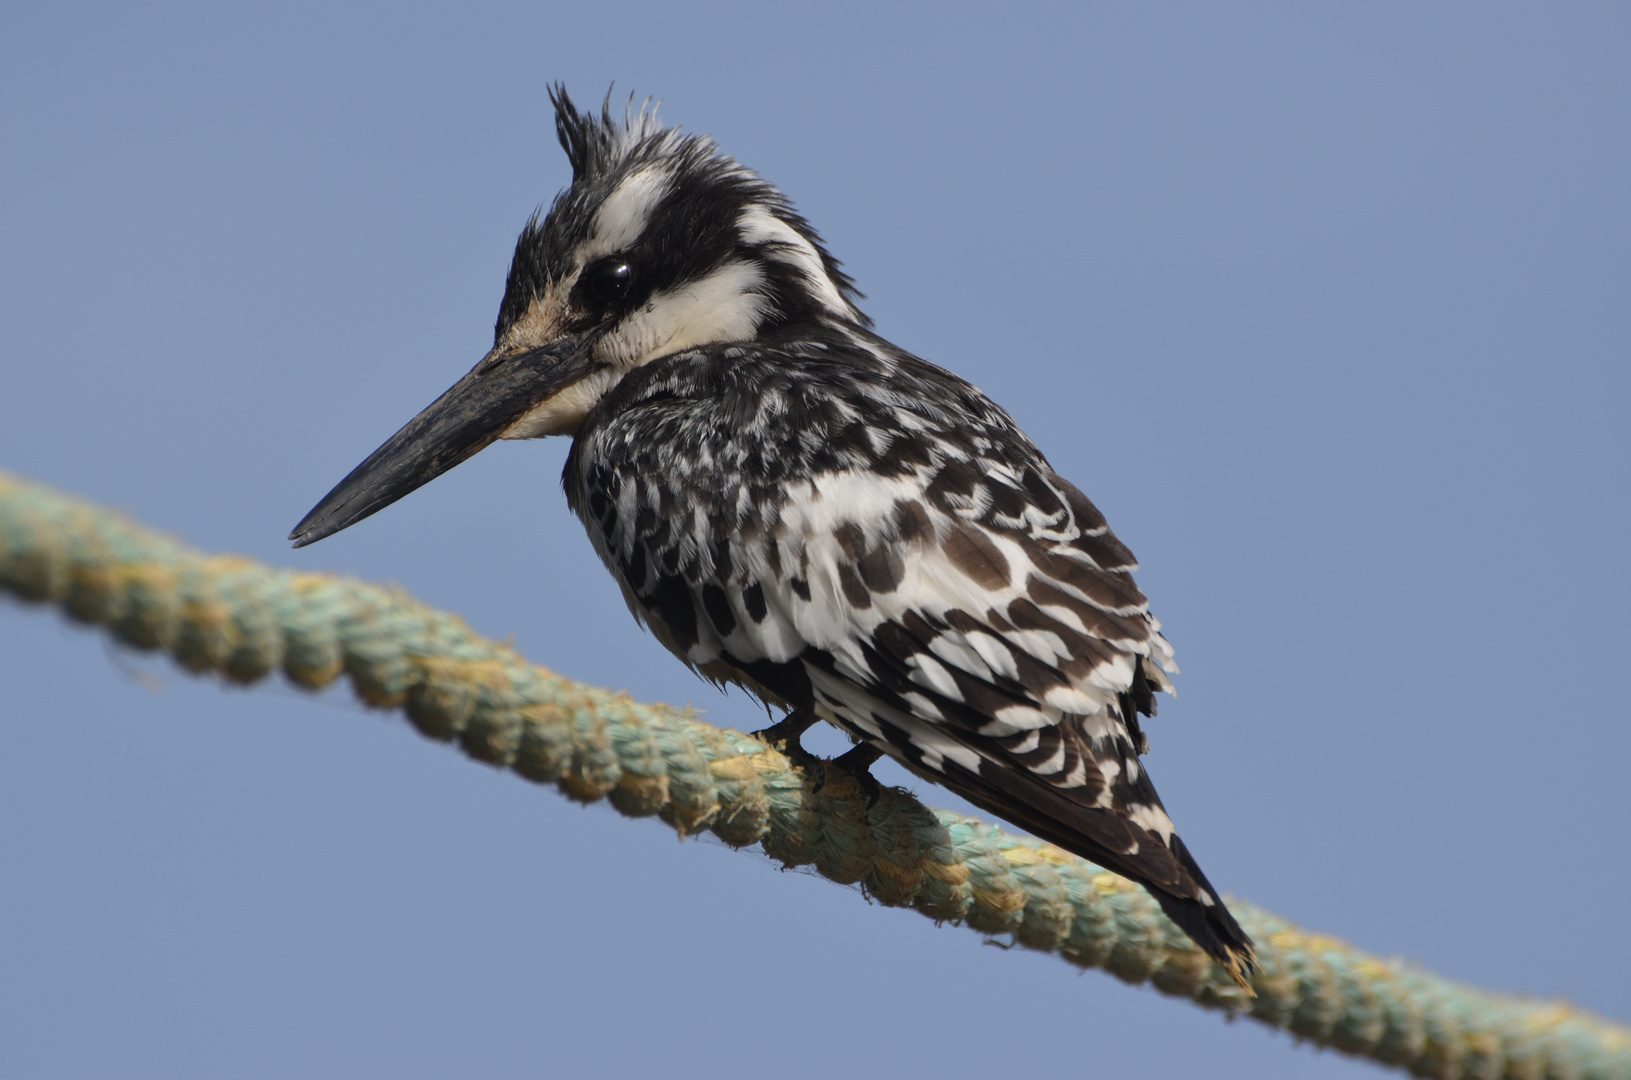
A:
(1326, 307)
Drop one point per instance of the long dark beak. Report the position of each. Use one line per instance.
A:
(458, 425)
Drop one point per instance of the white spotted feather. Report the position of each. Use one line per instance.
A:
(795, 505)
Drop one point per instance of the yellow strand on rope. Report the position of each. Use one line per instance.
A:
(244, 621)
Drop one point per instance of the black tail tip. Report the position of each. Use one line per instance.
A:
(1240, 962)
(1212, 928)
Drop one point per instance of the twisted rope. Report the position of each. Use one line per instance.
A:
(244, 621)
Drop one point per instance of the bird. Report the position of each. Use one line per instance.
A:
(798, 507)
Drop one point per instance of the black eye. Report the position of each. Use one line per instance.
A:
(607, 281)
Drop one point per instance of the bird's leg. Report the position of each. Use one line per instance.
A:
(785, 735)
(857, 762)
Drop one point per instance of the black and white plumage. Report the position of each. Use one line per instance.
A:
(794, 505)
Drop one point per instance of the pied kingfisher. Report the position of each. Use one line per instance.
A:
(797, 506)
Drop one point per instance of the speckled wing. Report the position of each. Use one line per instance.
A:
(894, 553)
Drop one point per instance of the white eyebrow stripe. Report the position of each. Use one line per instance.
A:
(757, 225)
(627, 211)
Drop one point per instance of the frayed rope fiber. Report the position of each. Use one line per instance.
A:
(244, 621)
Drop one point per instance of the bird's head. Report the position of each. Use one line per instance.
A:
(661, 244)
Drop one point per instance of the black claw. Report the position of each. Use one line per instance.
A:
(785, 736)
(816, 768)
(858, 763)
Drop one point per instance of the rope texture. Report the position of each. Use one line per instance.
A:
(244, 621)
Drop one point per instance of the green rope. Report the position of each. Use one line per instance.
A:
(244, 621)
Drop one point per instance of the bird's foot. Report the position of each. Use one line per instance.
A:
(785, 736)
(855, 764)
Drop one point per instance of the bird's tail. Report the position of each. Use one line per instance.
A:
(1209, 925)
(1167, 871)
